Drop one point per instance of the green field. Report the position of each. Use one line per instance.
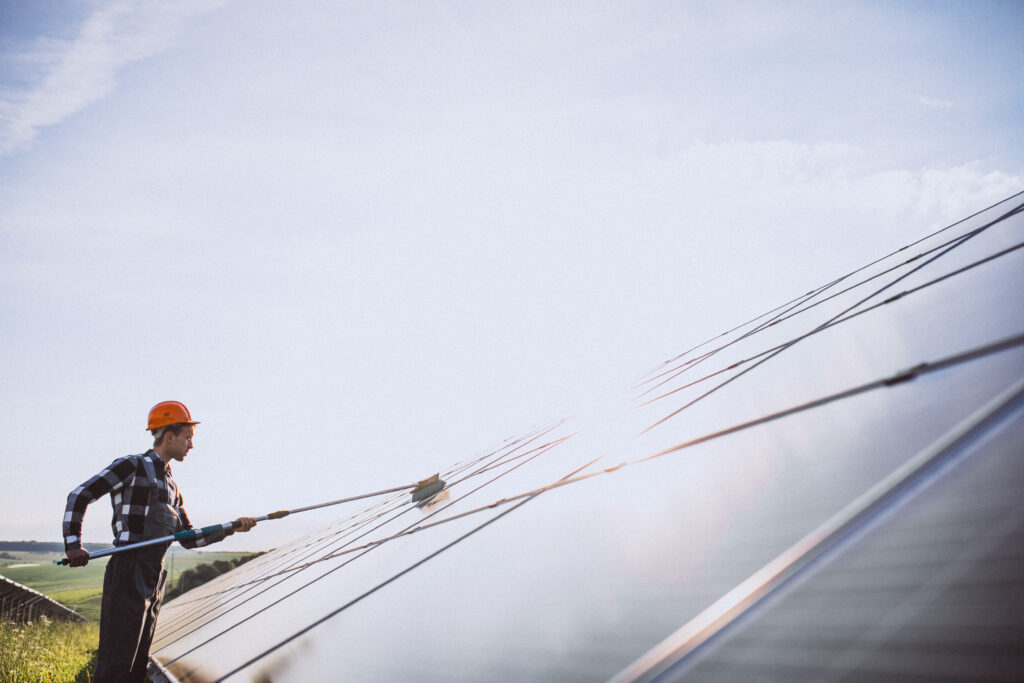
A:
(80, 588)
(55, 652)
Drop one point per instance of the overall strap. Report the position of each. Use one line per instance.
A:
(156, 508)
(154, 483)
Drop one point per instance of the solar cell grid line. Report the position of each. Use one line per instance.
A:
(690, 363)
(814, 293)
(893, 299)
(536, 453)
(411, 530)
(239, 586)
(484, 469)
(781, 317)
(204, 593)
(1010, 343)
(641, 381)
(976, 546)
(539, 452)
(482, 508)
(646, 377)
(480, 464)
(302, 563)
(189, 618)
(295, 546)
(527, 438)
(890, 381)
(951, 448)
(416, 529)
(490, 506)
(331, 534)
(348, 525)
(239, 589)
(294, 591)
(523, 440)
(382, 584)
(887, 382)
(388, 503)
(880, 274)
(303, 543)
(957, 243)
(790, 313)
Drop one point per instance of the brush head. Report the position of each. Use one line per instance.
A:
(428, 487)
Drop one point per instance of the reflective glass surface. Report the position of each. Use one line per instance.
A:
(569, 552)
(929, 591)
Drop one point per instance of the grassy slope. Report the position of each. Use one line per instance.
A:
(56, 652)
(80, 588)
(59, 652)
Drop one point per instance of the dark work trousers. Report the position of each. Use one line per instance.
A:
(133, 587)
(132, 590)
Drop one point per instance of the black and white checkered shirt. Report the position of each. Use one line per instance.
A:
(126, 481)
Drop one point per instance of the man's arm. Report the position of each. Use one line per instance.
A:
(201, 539)
(79, 499)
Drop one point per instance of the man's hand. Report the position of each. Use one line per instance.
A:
(79, 557)
(243, 523)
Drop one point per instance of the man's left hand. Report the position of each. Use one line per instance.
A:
(243, 523)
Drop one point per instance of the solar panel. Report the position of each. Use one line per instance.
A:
(20, 603)
(593, 546)
(927, 588)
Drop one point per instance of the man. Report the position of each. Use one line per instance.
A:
(146, 505)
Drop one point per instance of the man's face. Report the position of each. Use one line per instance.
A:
(178, 445)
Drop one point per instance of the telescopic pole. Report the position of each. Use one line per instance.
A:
(420, 491)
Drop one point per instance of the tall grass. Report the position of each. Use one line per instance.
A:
(50, 651)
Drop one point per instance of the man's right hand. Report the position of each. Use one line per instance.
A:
(79, 557)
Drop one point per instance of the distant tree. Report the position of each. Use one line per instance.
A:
(206, 572)
(186, 582)
(203, 572)
(238, 561)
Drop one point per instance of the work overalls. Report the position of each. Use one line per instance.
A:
(133, 587)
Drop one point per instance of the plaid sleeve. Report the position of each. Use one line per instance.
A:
(200, 539)
(112, 477)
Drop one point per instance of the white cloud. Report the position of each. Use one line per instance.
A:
(934, 103)
(84, 70)
(795, 213)
(840, 178)
(405, 214)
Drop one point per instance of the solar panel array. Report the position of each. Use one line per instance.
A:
(928, 589)
(22, 604)
(746, 508)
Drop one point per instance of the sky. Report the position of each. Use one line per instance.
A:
(363, 241)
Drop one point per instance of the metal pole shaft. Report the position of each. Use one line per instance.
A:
(231, 525)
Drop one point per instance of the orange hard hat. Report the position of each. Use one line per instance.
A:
(169, 413)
